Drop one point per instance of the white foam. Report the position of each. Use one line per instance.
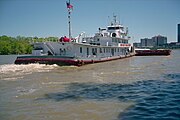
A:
(12, 68)
(8, 71)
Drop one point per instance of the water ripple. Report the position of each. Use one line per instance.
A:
(155, 99)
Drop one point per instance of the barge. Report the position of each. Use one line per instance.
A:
(149, 52)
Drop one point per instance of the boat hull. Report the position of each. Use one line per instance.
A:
(64, 60)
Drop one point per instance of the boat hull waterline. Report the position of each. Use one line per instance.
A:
(64, 61)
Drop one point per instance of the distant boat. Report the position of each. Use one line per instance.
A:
(107, 44)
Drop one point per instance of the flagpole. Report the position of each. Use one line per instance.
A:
(69, 22)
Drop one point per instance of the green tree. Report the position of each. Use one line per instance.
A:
(18, 45)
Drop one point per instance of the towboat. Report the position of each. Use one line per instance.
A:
(110, 43)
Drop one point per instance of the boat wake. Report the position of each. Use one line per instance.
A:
(14, 72)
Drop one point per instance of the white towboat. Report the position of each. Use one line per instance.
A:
(109, 43)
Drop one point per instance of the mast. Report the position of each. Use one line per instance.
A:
(69, 21)
(114, 19)
(70, 8)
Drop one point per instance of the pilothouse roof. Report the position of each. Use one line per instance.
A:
(115, 24)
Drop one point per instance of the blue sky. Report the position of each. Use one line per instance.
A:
(44, 18)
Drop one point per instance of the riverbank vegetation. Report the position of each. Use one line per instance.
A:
(19, 44)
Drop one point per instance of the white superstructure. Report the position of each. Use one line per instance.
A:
(109, 42)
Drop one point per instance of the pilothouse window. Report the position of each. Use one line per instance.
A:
(113, 28)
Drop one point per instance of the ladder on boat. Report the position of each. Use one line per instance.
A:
(50, 47)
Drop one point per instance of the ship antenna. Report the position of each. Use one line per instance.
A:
(115, 19)
(109, 21)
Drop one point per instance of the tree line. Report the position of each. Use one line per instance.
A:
(20, 44)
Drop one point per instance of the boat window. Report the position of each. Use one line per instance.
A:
(87, 51)
(100, 50)
(124, 41)
(60, 51)
(80, 49)
(113, 39)
(38, 48)
(113, 28)
(94, 51)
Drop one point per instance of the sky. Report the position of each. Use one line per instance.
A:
(45, 18)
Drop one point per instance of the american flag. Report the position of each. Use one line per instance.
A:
(69, 6)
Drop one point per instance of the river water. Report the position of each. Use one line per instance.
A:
(136, 88)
